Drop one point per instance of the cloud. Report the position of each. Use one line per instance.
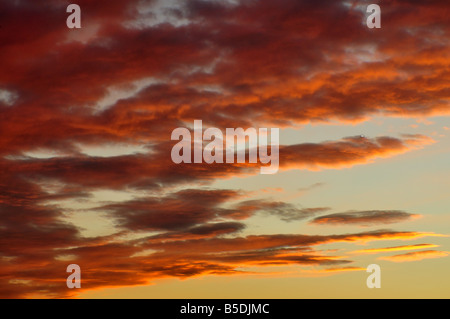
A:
(331, 271)
(311, 187)
(232, 64)
(114, 262)
(344, 269)
(285, 211)
(397, 248)
(364, 218)
(155, 169)
(266, 69)
(415, 256)
(346, 152)
(178, 211)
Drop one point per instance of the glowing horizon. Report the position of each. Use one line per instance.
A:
(86, 117)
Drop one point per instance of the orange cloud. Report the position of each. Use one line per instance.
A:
(397, 248)
(344, 269)
(415, 256)
(261, 63)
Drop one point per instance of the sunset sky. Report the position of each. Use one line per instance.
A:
(86, 175)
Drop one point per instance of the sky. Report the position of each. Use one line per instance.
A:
(86, 175)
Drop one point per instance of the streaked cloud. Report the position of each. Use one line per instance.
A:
(344, 269)
(140, 69)
(397, 248)
(364, 218)
(416, 256)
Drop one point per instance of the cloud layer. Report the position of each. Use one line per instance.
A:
(364, 218)
(139, 69)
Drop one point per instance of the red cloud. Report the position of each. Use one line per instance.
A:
(260, 63)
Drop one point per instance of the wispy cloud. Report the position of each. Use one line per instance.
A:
(364, 218)
(130, 78)
(415, 256)
(396, 248)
